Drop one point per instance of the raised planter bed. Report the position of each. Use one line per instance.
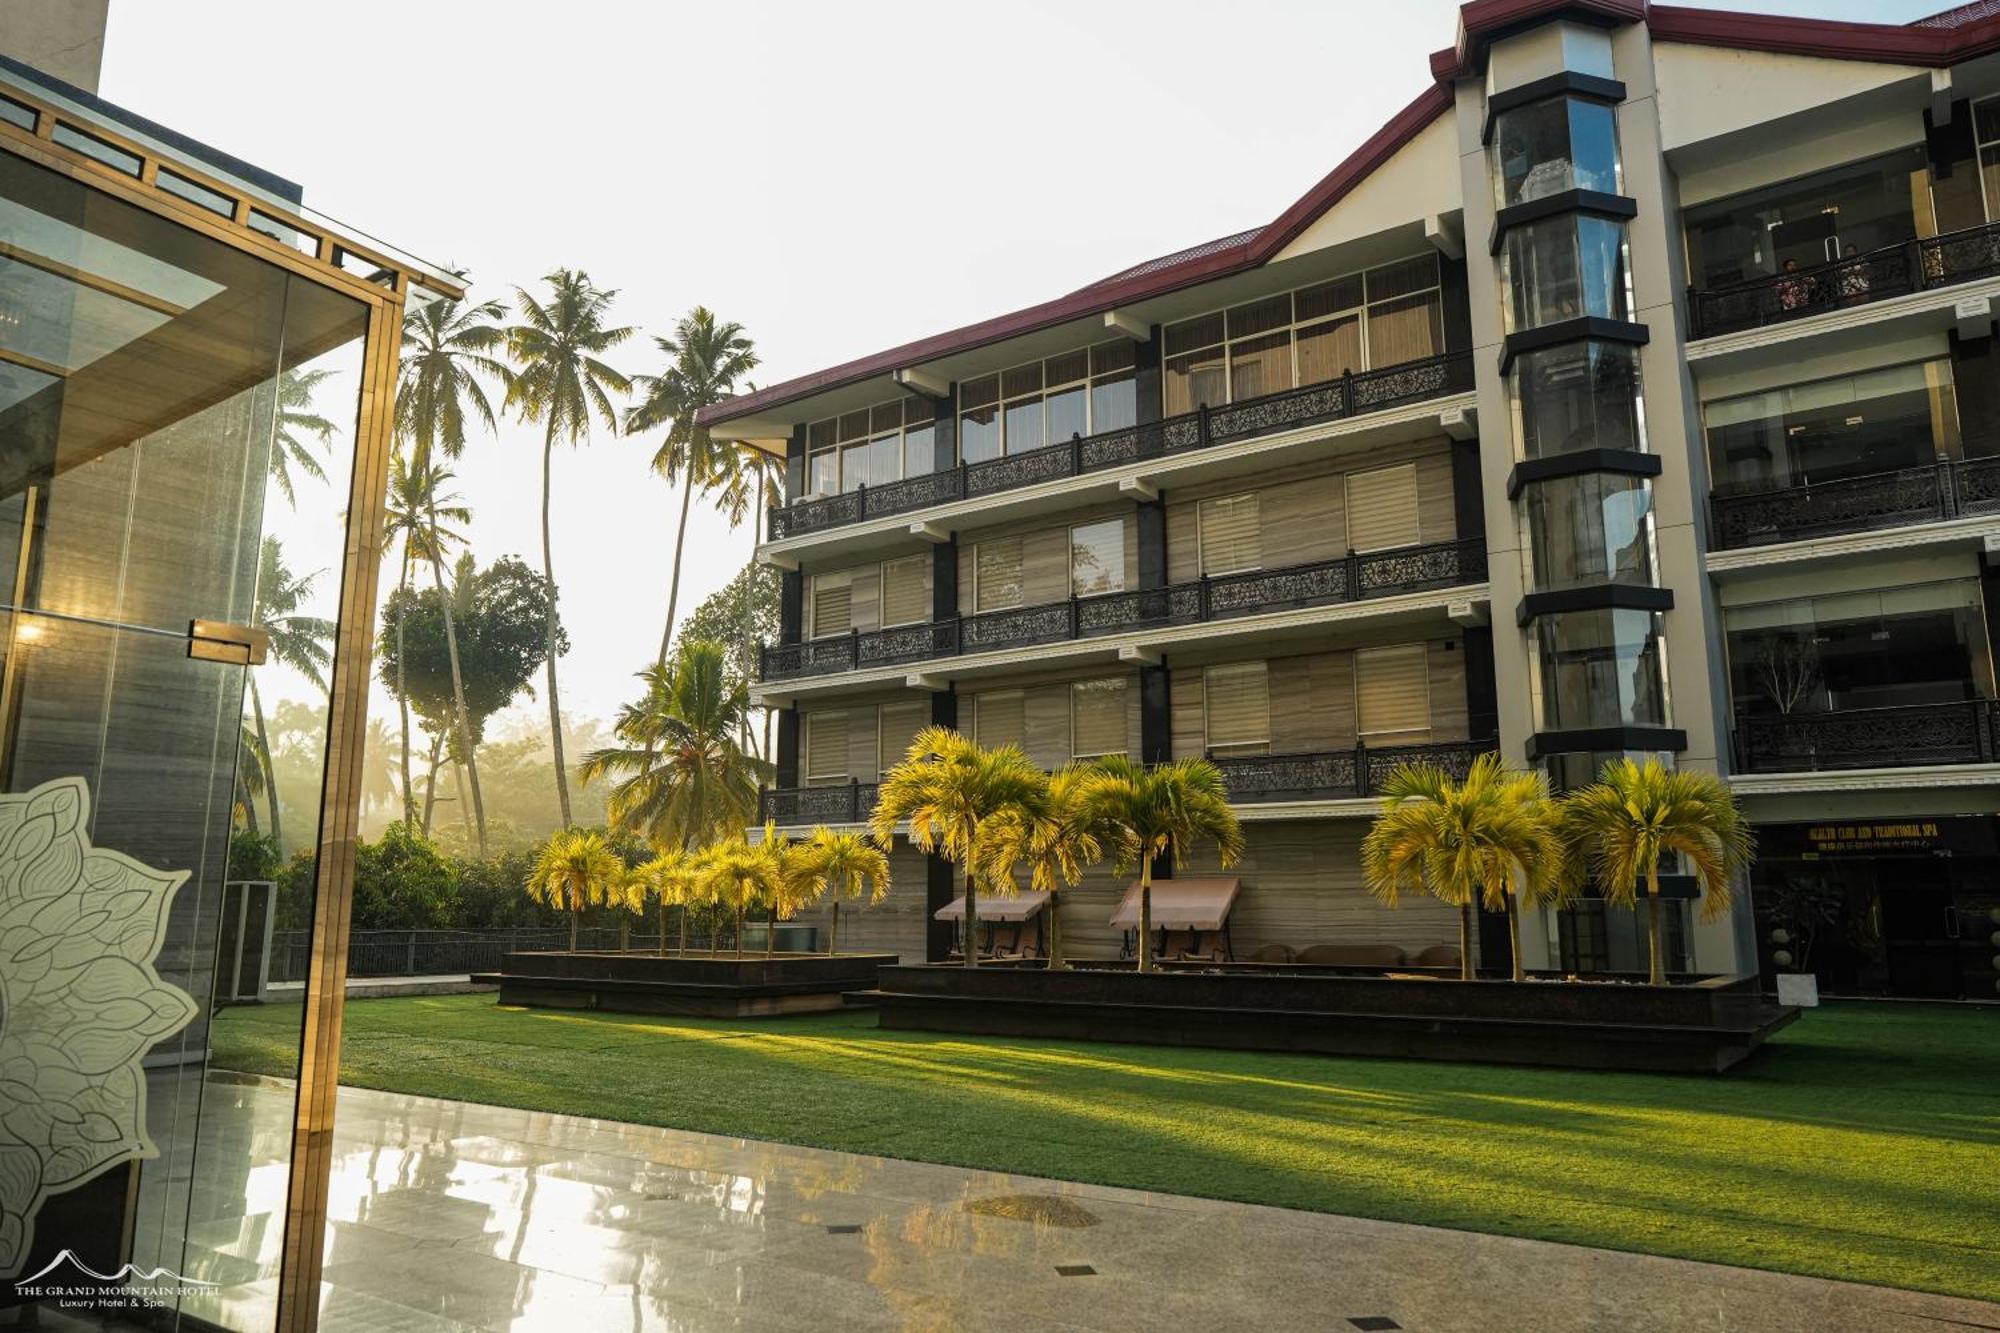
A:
(725, 986)
(1705, 1025)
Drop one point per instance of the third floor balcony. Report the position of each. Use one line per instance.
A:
(1945, 490)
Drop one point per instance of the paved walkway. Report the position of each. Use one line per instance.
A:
(448, 1216)
(379, 988)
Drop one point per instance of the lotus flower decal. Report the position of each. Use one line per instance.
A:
(80, 1003)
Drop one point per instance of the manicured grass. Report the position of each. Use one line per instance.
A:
(1861, 1144)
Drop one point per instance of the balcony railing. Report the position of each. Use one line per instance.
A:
(1350, 396)
(1947, 489)
(1353, 578)
(1332, 775)
(1897, 270)
(1963, 732)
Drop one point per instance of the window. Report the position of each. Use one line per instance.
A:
(1083, 392)
(1000, 717)
(1566, 267)
(1230, 534)
(831, 607)
(1382, 317)
(870, 447)
(1582, 395)
(1827, 430)
(1392, 692)
(900, 724)
(826, 749)
(1812, 220)
(1594, 528)
(1601, 669)
(1382, 508)
(1097, 718)
(1097, 558)
(1236, 702)
(1544, 148)
(997, 574)
(906, 590)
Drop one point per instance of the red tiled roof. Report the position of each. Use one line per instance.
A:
(1959, 17)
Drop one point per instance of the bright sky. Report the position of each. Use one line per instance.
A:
(837, 177)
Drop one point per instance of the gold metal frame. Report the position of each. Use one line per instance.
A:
(384, 288)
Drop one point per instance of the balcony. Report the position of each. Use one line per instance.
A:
(1963, 732)
(1948, 489)
(1919, 265)
(1354, 578)
(1206, 427)
(1331, 776)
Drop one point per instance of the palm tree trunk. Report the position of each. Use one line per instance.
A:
(1146, 914)
(1514, 935)
(1465, 972)
(1657, 975)
(549, 632)
(663, 927)
(403, 689)
(1054, 909)
(270, 773)
(771, 932)
(431, 785)
(971, 917)
(464, 812)
(739, 930)
(470, 759)
(674, 582)
(683, 949)
(575, 911)
(833, 934)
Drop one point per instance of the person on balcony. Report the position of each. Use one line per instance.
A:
(1853, 281)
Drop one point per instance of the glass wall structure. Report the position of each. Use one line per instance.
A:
(193, 437)
(1858, 425)
(1809, 221)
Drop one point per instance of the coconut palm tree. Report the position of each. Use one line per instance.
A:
(845, 865)
(947, 786)
(302, 642)
(448, 351)
(682, 776)
(301, 433)
(740, 875)
(1621, 825)
(560, 381)
(704, 362)
(1165, 810)
(577, 868)
(1493, 838)
(1057, 838)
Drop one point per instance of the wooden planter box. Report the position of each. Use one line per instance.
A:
(753, 986)
(1705, 1025)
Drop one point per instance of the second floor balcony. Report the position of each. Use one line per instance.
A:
(1354, 578)
(1948, 489)
(1961, 732)
(1349, 396)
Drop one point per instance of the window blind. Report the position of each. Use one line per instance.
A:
(1382, 508)
(900, 725)
(1392, 687)
(999, 717)
(826, 748)
(906, 590)
(1097, 558)
(997, 574)
(1232, 536)
(1238, 704)
(832, 604)
(1097, 718)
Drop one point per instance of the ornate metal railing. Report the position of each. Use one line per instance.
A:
(1350, 396)
(1964, 732)
(1334, 774)
(1949, 488)
(1353, 578)
(845, 803)
(1896, 270)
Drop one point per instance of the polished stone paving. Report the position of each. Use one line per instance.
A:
(452, 1216)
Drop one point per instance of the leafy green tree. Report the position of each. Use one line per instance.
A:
(1635, 814)
(947, 786)
(560, 380)
(704, 362)
(1165, 810)
(740, 615)
(680, 777)
(402, 882)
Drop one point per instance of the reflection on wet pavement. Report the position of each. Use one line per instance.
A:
(447, 1215)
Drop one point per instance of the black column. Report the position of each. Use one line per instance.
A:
(1156, 740)
(944, 708)
(1954, 165)
(1151, 520)
(944, 580)
(944, 441)
(795, 465)
(1456, 301)
(788, 748)
(1468, 504)
(791, 606)
(1482, 695)
(1147, 377)
(940, 887)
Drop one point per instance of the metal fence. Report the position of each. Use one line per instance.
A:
(424, 953)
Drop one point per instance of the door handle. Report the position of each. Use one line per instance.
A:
(220, 641)
(1951, 926)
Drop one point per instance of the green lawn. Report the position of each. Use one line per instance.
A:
(1861, 1144)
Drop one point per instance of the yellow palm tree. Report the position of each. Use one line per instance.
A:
(947, 786)
(1165, 810)
(1634, 814)
(1493, 838)
(846, 865)
(740, 875)
(670, 878)
(578, 869)
(1056, 839)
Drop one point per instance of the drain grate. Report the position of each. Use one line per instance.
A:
(1374, 1323)
(843, 1229)
(1076, 1270)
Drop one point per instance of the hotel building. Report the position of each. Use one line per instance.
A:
(1632, 391)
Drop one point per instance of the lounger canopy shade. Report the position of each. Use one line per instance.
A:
(992, 908)
(1180, 904)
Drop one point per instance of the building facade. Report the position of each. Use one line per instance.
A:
(1630, 392)
(197, 378)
